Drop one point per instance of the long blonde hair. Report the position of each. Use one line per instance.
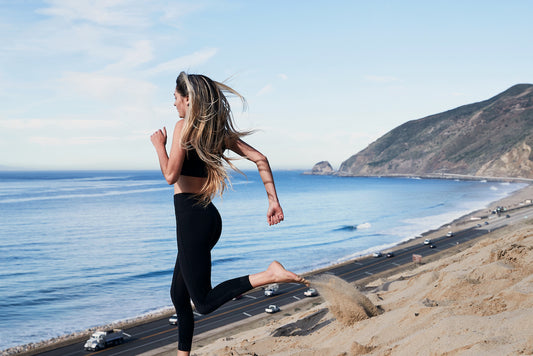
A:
(209, 128)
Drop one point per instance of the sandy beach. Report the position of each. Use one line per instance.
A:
(470, 300)
(473, 300)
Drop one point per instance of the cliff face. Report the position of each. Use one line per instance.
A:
(490, 138)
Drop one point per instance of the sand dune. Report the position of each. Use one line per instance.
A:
(476, 302)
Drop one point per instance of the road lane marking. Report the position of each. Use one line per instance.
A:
(369, 273)
(295, 297)
(196, 313)
(248, 315)
(250, 296)
(396, 264)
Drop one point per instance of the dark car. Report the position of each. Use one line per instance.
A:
(432, 246)
(390, 254)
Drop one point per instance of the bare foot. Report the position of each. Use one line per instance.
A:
(281, 275)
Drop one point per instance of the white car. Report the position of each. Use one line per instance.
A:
(427, 241)
(271, 289)
(173, 319)
(272, 309)
(311, 292)
(449, 234)
(377, 254)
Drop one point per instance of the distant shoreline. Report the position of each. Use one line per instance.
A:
(515, 200)
(446, 176)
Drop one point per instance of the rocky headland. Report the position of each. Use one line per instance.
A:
(491, 138)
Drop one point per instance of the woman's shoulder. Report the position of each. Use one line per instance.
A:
(178, 128)
(180, 124)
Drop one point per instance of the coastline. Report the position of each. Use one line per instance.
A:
(515, 200)
(445, 176)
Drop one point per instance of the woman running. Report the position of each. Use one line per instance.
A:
(195, 166)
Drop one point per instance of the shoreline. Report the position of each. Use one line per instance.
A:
(445, 176)
(517, 199)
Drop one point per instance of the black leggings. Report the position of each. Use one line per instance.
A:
(198, 230)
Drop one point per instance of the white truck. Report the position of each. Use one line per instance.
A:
(101, 339)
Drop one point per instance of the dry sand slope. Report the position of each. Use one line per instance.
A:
(477, 302)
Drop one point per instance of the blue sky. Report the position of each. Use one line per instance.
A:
(84, 83)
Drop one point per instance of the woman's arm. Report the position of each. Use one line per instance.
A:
(170, 164)
(275, 212)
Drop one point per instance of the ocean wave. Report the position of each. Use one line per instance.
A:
(354, 227)
(14, 274)
(240, 182)
(76, 291)
(42, 297)
(366, 252)
(79, 196)
(436, 206)
(146, 275)
(225, 260)
(330, 242)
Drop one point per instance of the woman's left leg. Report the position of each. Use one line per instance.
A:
(182, 304)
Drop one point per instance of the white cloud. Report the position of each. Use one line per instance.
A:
(25, 124)
(113, 89)
(185, 62)
(101, 12)
(283, 76)
(173, 13)
(70, 141)
(139, 53)
(269, 88)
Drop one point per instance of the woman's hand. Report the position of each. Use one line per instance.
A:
(274, 214)
(159, 138)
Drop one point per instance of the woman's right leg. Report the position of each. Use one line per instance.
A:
(275, 273)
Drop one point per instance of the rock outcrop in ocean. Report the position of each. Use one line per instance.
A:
(322, 168)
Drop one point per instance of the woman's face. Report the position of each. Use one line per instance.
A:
(181, 103)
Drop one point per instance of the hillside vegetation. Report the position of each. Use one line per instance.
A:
(492, 138)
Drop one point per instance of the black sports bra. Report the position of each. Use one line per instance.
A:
(193, 166)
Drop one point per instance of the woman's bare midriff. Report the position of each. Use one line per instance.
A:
(186, 184)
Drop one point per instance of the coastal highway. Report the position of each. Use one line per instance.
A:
(160, 333)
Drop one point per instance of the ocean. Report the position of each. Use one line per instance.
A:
(85, 248)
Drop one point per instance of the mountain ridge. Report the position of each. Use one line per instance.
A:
(490, 138)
